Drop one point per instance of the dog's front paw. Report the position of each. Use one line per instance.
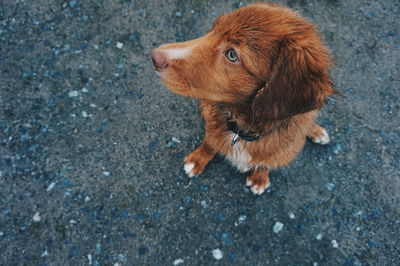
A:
(319, 135)
(258, 182)
(323, 138)
(195, 163)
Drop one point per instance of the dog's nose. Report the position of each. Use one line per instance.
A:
(159, 60)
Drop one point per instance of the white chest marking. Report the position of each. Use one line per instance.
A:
(239, 157)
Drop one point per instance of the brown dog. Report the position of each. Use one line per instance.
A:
(261, 75)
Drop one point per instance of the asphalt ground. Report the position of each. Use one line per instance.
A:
(91, 144)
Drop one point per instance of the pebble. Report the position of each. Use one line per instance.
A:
(336, 149)
(330, 186)
(291, 215)
(176, 140)
(73, 94)
(334, 244)
(36, 218)
(217, 254)
(84, 114)
(278, 227)
(178, 261)
(72, 3)
(89, 256)
(319, 236)
(121, 258)
(45, 253)
(203, 204)
(51, 186)
(242, 218)
(119, 45)
(98, 248)
(178, 14)
(106, 173)
(87, 199)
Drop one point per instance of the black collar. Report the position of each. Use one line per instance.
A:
(240, 133)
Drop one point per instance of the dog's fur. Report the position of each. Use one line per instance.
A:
(274, 90)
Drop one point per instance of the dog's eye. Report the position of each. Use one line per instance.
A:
(232, 56)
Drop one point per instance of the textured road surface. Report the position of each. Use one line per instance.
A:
(91, 144)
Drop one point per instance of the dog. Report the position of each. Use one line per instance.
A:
(261, 74)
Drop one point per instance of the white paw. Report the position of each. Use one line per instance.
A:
(257, 189)
(188, 167)
(323, 138)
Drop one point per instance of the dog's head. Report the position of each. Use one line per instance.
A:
(265, 55)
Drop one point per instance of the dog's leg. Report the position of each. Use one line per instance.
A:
(258, 181)
(196, 161)
(318, 135)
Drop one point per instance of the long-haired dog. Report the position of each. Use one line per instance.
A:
(261, 75)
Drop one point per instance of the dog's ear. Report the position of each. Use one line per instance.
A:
(297, 82)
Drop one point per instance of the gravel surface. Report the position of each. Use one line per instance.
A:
(91, 144)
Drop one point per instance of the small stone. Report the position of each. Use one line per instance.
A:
(121, 258)
(334, 244)
(89, 256)
(106, 173)
(217, 254)
(119, 45)
(319, 236)
(36, 218)
(72, 3)
(176, 140)
(178, 261)
(337, 149)
(45, 253)
(98, 248)
(203, 204)
(178, 14)
(73, 94)
(73, 221)
(291, 215)
(330, 186)
(92, 105)
(277, 227)
(87, 199)
(51, 186)
(84, 114)
(358, 229)
(242, 218)
(85, 90)
(239, 5)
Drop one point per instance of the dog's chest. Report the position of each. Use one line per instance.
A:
(239, 156)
